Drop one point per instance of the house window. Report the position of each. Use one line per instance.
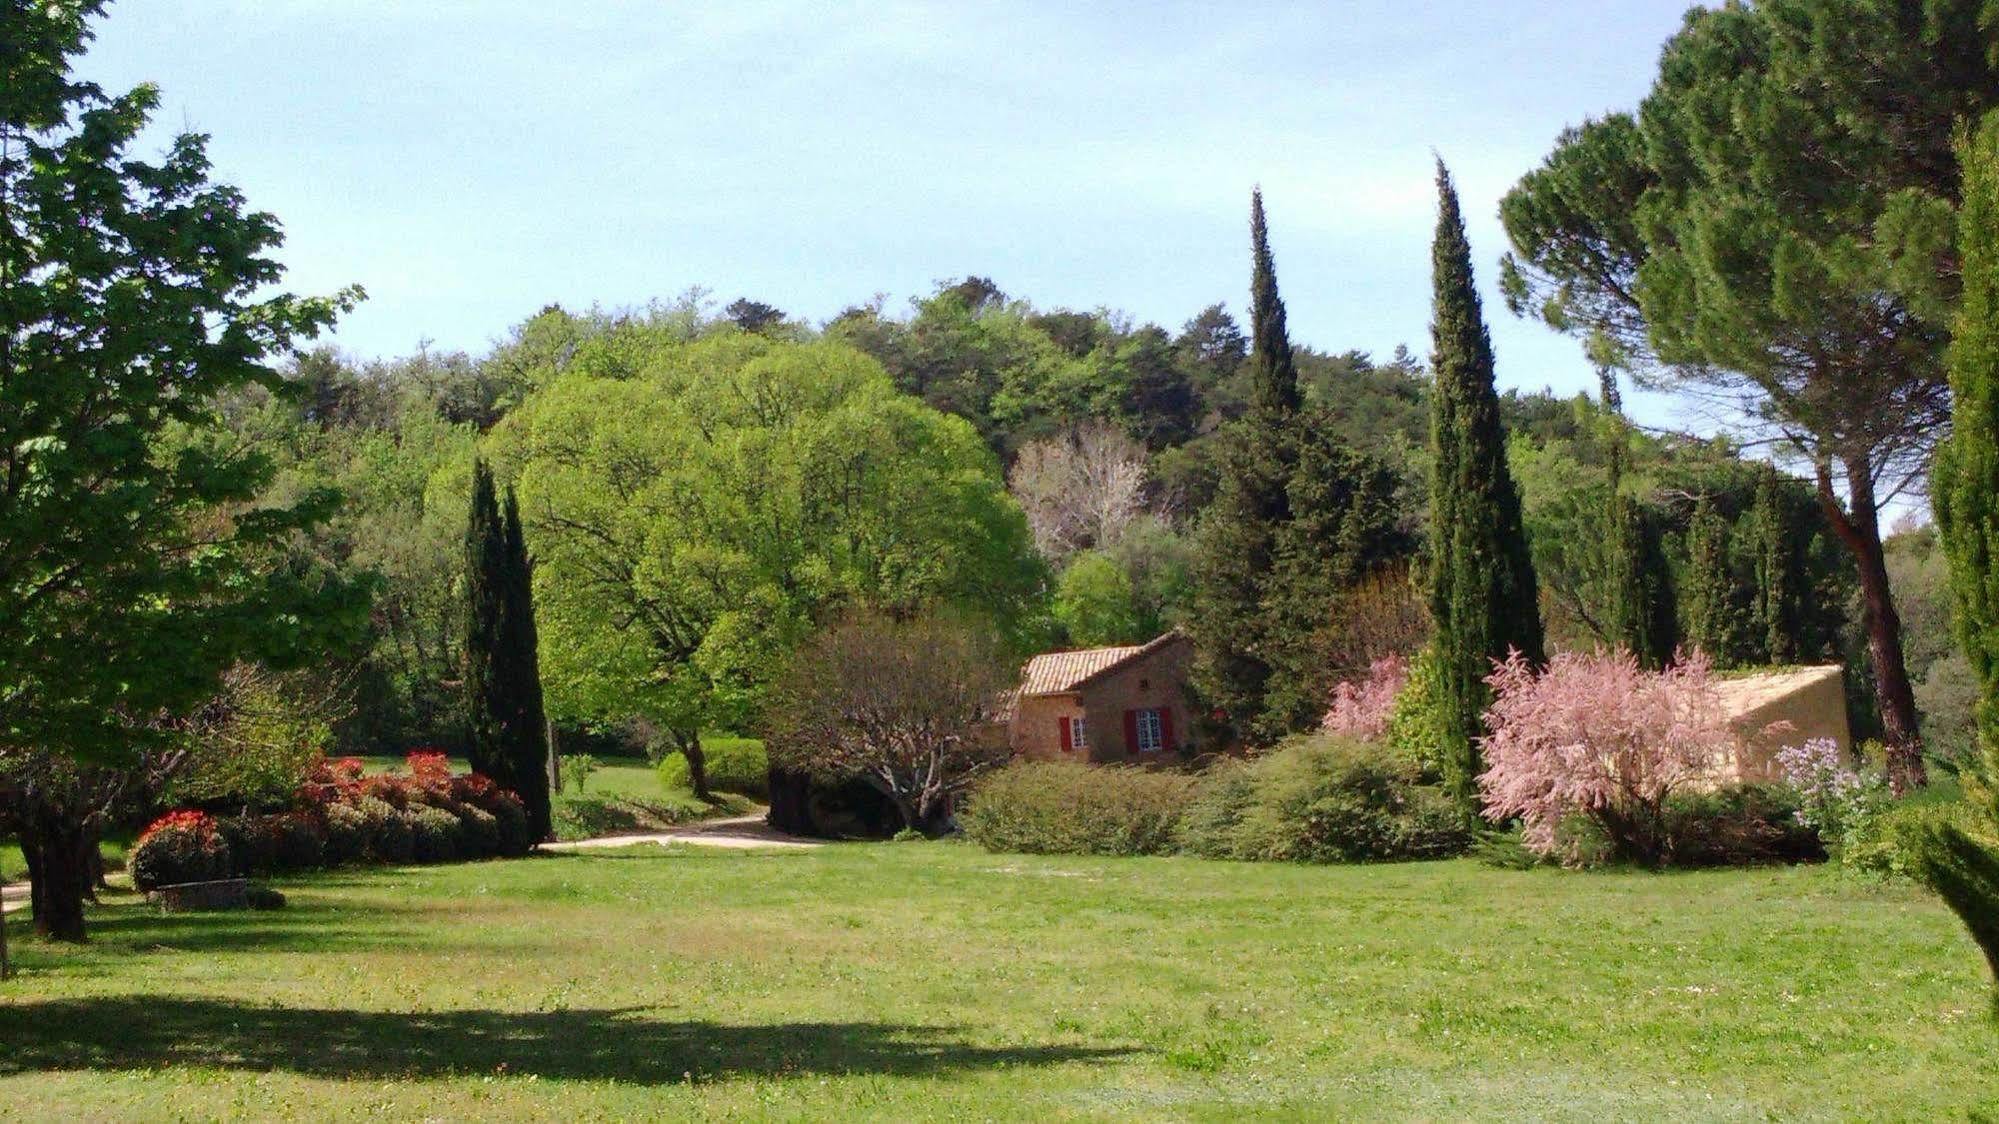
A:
(1151, 731)
(1079, 736)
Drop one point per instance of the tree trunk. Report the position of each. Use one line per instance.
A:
(59, 877)
(554, 760)
(1860, 530)
(689, 745)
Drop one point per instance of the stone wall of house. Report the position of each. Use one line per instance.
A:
(1772, 710)
(1036, 729)
(1156, 682)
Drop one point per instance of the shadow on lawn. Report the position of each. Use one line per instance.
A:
(144, 1032)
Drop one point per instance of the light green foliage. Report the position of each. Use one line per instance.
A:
(693, 517)
(576, 770)
(1094, 603)
(737, 765)
(1067, 808)
(255, 742)
(1419, 726)
(1322, 800)
(137, 293)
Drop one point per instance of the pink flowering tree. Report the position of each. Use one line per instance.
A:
(1362, 709)
(1595, 735)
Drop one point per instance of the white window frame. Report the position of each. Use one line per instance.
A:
(1151, 730)
(1079, 736)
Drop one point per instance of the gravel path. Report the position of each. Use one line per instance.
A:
(740, 832)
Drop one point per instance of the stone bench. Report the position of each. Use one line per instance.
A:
(226, 893)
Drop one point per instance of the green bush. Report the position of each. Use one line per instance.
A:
(264, 844)
(1737, 826)
(511, 819)
(1419, 724)
(181, 847)
(1066, 808)
(346, 834)
(386, 830)
(1890, 844)
(1324, 800)
(435, 835)
(479, 829)
(735, 765)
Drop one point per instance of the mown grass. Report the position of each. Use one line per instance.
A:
(933, 981)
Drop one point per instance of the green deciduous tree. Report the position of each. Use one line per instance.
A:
(1094, 603)
(1483, 597)
(509, 731)
(133, 568)
(692, 521)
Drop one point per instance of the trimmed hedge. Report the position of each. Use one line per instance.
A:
(342, 817)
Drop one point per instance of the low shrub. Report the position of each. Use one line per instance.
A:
(386, 830)
(1739, 825)
(1889, 845)
(1324, 800)
(1418, 723)
(1834, 799)
(263, 897)
(1068, 808)
(284, 841)
(180, 847)
(435, 835)
(346, 834)
(479, 830)
(737, 765)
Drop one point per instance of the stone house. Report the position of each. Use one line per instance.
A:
(1118, 704)
(1770, 710)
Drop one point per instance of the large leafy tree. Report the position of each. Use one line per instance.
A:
(509, 741)
(1773, 230)
(694, 521)
(134, 568)
(1483, 595)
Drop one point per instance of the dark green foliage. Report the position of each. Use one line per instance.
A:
(1273, 374)
(1065, 808)
(436, 835)
(1739, 825)
(1642, 618)
(1483, 599)
(1322, 800)
(1777, 618)
(1961, 867)
(1709, 595)
(172, 856)
(1298, 516)
(509, 740)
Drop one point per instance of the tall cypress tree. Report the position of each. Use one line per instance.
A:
(1962, 869)
(1240, 527)
(509, 741)
(1638, 580)
(1774, 538)
(1483, 595)
(1713, 616)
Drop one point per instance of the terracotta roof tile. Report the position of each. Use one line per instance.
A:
(1053, 673)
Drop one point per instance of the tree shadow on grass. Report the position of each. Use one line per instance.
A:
(145, 1032)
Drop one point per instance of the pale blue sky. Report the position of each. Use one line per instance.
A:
(471, 160)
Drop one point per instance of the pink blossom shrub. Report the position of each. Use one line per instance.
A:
(1361, 710)
(1597, 736)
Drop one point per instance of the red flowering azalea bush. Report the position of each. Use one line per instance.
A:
(1597, 738)
(1361, 710)
(181, 847)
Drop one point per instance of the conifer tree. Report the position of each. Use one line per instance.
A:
(1713, 617)
(509, 736)
(1961, 868)
(1483, 596)
(1778, 610)
(1240, 528)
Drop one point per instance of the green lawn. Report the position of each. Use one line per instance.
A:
(931, 981)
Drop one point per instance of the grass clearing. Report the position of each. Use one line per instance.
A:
(927, 981)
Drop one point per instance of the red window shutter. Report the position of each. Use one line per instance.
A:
(1166, 728)
(1131, 731)
(1067, 743)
